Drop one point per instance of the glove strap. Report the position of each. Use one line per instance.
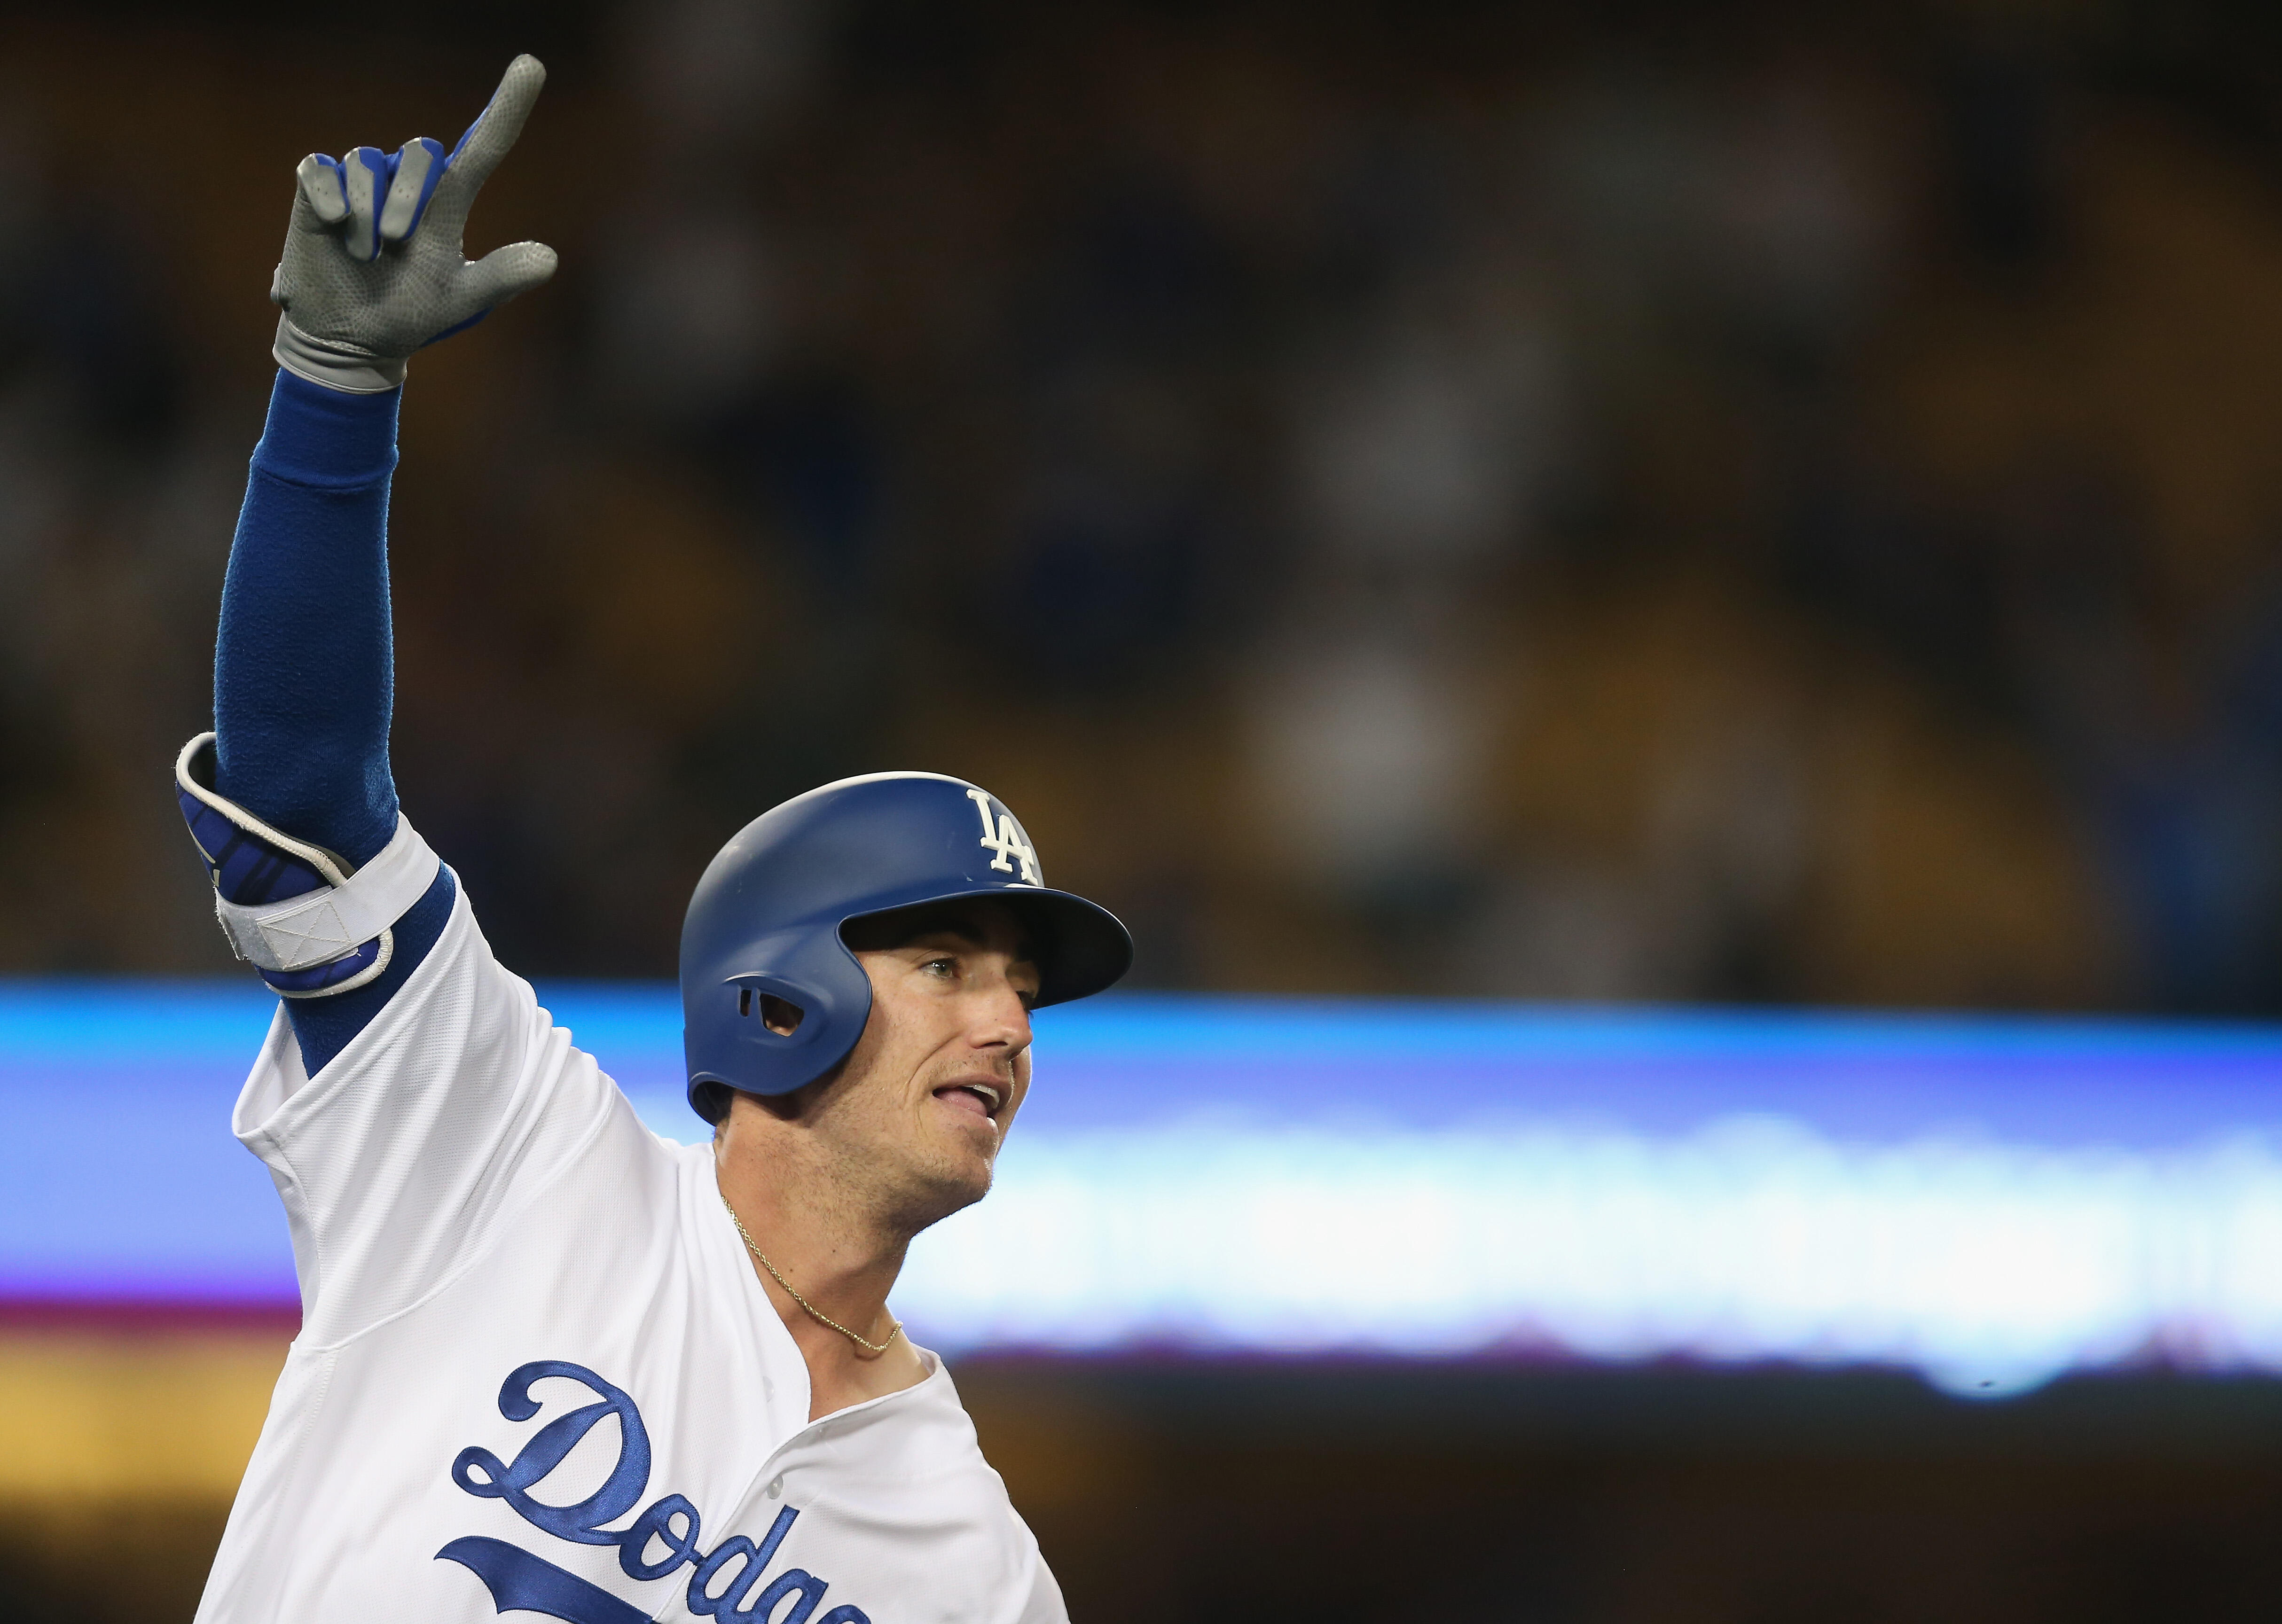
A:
(320, 939)
(342, 367)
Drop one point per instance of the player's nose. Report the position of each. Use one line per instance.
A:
(1001, 1020)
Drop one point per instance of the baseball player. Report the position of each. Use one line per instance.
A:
(550, 1363)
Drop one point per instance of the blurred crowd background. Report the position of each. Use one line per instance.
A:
(1717, 501)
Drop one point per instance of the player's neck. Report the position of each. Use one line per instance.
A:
(833, 1249)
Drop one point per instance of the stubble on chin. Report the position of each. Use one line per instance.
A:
(912, 1178)
(942, 1180)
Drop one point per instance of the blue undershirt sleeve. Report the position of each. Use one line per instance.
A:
(304, 665)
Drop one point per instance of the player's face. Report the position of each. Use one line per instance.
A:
(944, 1062)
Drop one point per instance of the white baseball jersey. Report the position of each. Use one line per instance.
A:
(536, 1370)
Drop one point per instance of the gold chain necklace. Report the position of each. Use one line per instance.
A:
(807, 1307)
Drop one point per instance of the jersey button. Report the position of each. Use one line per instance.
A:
(776, 1486)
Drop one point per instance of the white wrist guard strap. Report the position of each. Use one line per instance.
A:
(351, 910)
(319, 926)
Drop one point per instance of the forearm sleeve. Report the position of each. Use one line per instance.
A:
(304, 666)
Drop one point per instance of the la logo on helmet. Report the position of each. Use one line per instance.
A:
(1004, 837)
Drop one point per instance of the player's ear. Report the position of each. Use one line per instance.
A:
(780, 1016)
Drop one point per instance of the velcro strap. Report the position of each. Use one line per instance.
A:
(319, 926)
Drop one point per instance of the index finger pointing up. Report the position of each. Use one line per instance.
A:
(492, 135)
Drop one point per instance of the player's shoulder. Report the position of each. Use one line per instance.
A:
(921, 1434)
(905, 1495)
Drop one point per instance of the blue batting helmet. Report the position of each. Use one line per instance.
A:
(766, 918)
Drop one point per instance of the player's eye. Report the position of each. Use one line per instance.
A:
(944, 966)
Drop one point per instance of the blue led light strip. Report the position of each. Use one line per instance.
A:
(1988, 1200)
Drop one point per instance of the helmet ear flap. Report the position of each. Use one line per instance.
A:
(768, 1030)
(788, 1032)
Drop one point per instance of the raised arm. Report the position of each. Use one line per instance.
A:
(320, 881)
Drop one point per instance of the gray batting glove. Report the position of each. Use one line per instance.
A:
(375, 265)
